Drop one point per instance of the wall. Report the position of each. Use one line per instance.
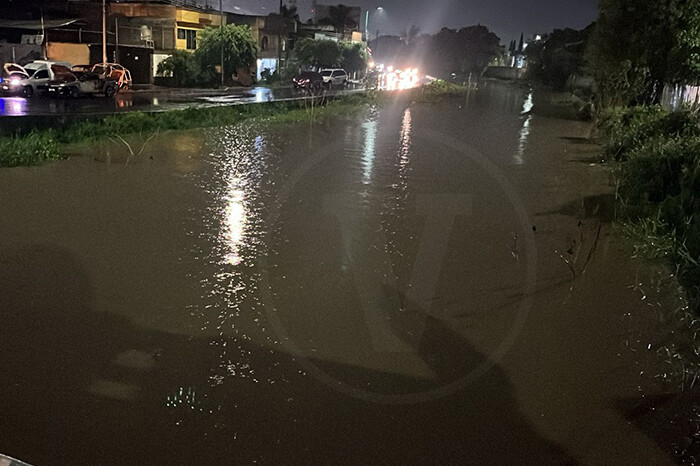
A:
(23, 53)
(75, 54)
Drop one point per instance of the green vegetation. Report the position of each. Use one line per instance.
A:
(203, 66)
(30, 149)
(440, 86)
(638, 47)
(37, 147)
(658, 168)
(330, 54)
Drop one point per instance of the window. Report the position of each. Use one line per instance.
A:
(42, 74)
(190, 35)
(264, 43)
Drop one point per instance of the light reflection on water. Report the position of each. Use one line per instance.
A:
(370, 129)
(235, 220)
(519, 158)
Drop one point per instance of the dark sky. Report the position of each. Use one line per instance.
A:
(507, 18)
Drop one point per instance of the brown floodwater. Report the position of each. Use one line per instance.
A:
(413, 283)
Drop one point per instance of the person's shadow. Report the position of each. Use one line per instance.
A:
(79, 385)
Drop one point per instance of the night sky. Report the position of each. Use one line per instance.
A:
(507, 18)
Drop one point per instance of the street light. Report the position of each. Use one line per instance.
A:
(379, 9)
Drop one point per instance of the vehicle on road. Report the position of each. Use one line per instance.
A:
(334, 77)
(67, 84)
(11, 79)
(116, 72)
(39, 73)
(309, 80)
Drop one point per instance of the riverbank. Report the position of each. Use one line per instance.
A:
(40, 146)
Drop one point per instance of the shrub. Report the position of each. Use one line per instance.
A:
(658, 155)
(30, 149)
(626, 129)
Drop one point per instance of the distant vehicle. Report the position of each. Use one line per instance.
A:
(11, 79)
(67, 84)
(114, 71)
(39, 73)
(334, 77)
(309, 80)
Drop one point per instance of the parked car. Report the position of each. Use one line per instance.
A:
(114, 71)
(67, 84)
(334, 77)
(309, 80)
(39, 73)
(11, 79)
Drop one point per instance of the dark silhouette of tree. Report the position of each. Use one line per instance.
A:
(560, 55)
(339, 16)
(412, 34)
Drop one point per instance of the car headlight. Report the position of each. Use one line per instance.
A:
(14, 82)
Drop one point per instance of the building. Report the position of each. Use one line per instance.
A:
(161, 26)
(274, 35)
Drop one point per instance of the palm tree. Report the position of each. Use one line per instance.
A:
(339, 16)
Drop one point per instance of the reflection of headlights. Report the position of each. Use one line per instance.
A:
(14, 82)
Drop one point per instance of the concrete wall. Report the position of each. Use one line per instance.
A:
(23, 53)
(75, 54)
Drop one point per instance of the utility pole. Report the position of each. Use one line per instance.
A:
(104, 31)
(221, 32)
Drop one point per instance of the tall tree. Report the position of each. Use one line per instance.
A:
(240, 49)
(318, 53)
(340, 17)
(638, 46)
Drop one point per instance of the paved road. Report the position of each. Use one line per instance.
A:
(144, 101)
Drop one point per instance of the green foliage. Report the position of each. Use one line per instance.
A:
(440, 86)
(628, 129)
(354, 55)
(318, 53)
(240, 50)
(637, 47)
(183, 67)
(684, 59)
(30, 149)
(659, 183)
(37, 147)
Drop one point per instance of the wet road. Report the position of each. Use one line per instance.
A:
(143, 101)
(385, 287)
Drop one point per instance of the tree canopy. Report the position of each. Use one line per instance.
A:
(331, 54)
(639, 46)
(240, 50)
(556, 58)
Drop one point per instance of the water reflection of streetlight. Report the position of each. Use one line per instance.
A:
(525, 131)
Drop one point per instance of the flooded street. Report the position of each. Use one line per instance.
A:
(411, 283)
